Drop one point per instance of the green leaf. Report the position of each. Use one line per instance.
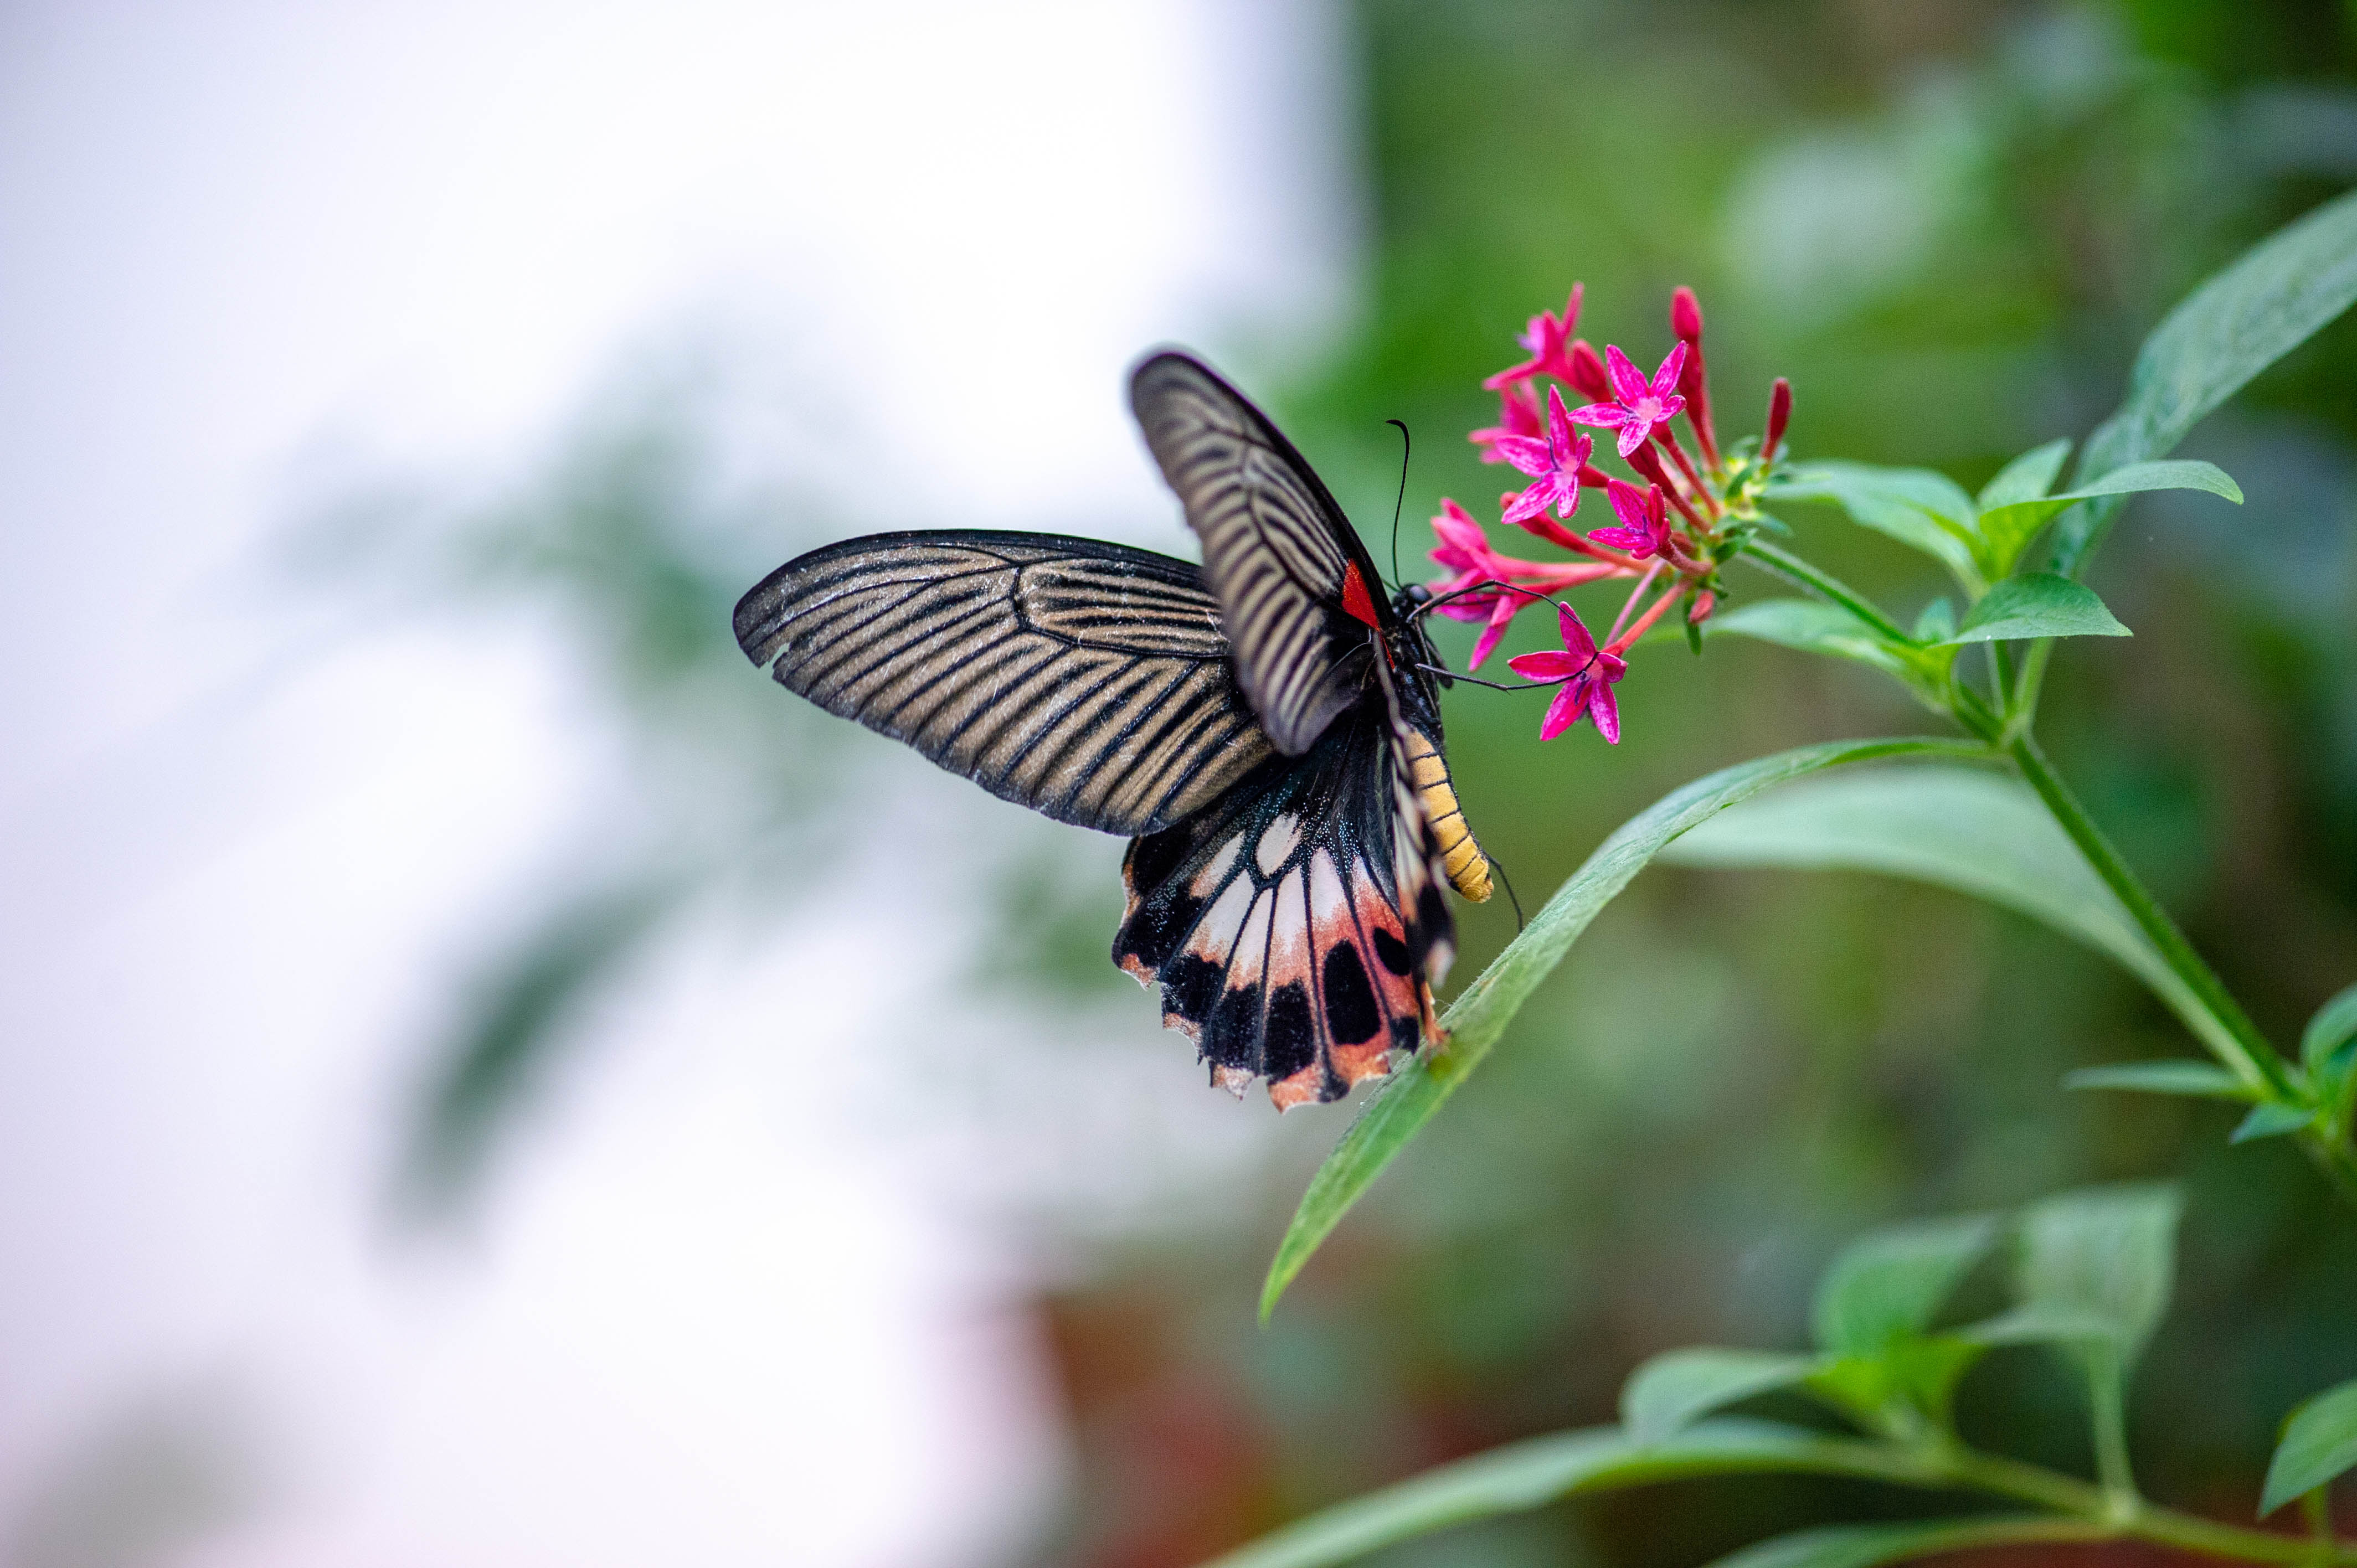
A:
(2004, 530)
(2201, 1079)
(1864, 1545)
(2027, 477)
(1888, 1285)
(1537, 1471)
(1473, 1023)
(2102, 1254)
(2272, 1120)
(1918, 1376)
(1938, 621)
(1960, 828)
(2263, 305)
(1677, 1387)
(2038, 603)
(2319, 1442)
(1919, 507)
(1813, 627)
(2334, 1025)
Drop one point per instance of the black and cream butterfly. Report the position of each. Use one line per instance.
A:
(1263, 729)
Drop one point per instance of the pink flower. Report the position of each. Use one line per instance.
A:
(1587, 673)
(1484, 585)
(1644, 517)
(1518, 415)
(1638, 409)
(1545, 339)
(1554, 462)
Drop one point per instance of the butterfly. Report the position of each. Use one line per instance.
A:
(1264, 728)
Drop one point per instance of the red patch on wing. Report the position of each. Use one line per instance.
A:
(1356, 602)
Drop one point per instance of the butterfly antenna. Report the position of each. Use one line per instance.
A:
(1509, 883)
(1405, 446)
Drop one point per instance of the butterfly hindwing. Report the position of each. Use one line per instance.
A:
(1296, 928)
(1086, 681)
(1277, 552)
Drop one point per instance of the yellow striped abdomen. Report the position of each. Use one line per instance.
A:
(1460, 857)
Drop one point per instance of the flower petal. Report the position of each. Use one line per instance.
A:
(1627, 381)
(1575, 640)
(1559, 428)
(1605, 709)
(1633, 436)
(1561, 713)
(1499, 618)
(1605, 415)
(1666, 380)
(1551, 664)
(1531, 456)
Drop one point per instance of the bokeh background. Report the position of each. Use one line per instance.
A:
(490, 1078)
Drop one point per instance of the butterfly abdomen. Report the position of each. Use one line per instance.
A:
(1460, 857)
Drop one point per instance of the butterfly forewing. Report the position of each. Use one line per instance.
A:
(1086, 681)
(1277, 552)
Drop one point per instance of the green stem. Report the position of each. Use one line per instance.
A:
(2107, 1392)
(2235, 1041)
(2097, 1511)
(1792, 569)
(2242, 1047)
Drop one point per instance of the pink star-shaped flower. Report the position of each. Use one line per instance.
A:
(1482, 586)
(1554, 462)
(1644, 527)
(1518, 415)
(1638, 409)
(1545, 339)
(1587, 673)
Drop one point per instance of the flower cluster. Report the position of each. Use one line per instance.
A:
(1680, 518)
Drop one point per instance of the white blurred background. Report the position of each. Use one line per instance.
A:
(714, 1310)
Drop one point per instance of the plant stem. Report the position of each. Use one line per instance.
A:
(1792, 569)
(2098, 1512)
(2236, 1042)
(2251, 1058)
(2107, 1392)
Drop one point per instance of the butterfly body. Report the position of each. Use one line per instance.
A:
(1263, 727)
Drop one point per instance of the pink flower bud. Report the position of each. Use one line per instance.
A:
(1685, 317)
(1699, 611)
(1589, 376)
(1780, 413)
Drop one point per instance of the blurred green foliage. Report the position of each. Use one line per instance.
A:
(1949, 224)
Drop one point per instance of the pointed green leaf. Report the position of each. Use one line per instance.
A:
(2260, 307)
(1917, 507)
(2104, 1254)
(2319, 1442)
(1888, 1285)
(2334, 1025)
(2272, 1120)
(1977, 833)
(2008, 528)
(1538, 1470)
(2038, 603)
(1937, 622)
(2028, 476)
(1813, 627)
(1864, 1545)
(1919, 1375)
(1678, 1387)
(1480, 1014)
(2203, 1080)
(2037, 1323)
